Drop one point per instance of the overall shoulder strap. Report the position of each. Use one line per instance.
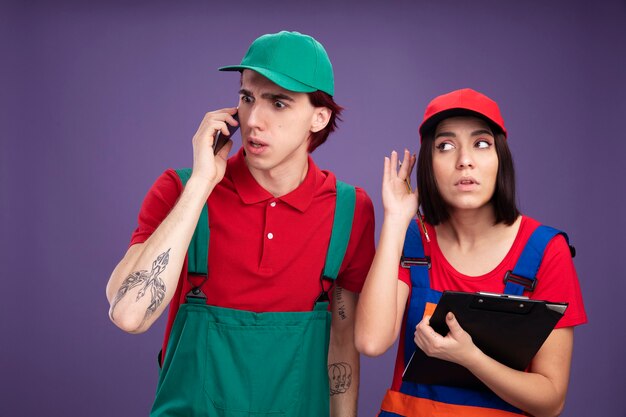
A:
(339, 237)
(197, 254)
(413, 256)
(342, 228)
(524, 275)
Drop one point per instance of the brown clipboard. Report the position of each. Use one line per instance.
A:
(510, 329)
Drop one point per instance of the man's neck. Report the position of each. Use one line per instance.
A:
(282, 180)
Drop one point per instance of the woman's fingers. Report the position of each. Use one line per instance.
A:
(405, 166)
(386, 170)
(394, 161)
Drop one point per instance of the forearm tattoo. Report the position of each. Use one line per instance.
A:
(341, 305)
(340, 377)
(148, 280)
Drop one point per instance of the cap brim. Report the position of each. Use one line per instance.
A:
(277, 78)
(434, 120)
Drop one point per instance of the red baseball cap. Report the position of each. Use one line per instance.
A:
(465, 102)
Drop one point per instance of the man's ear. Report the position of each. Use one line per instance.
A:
(321, 117)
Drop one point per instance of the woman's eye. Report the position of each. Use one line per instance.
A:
(483, 144)
(445, 146)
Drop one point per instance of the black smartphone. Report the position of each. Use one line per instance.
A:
(220, 139)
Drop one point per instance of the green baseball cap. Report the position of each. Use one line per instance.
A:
(294, 61)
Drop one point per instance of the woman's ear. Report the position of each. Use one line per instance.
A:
(321, 117)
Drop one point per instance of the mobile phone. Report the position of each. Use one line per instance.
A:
(220, 139)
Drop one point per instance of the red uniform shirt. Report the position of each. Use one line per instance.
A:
(556, 279)
(266, 253)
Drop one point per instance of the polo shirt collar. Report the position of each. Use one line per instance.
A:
(251, 192)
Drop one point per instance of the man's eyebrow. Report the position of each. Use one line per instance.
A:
(268, 96)
(278, 96)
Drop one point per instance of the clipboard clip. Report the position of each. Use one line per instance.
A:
(406, 262)
(495, 294)
(527, 283)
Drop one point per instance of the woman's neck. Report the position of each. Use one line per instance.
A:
(472, 243)
(466, 229)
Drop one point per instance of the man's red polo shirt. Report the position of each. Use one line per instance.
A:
(266, 253)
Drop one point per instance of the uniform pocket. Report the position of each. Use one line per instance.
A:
(253, 370)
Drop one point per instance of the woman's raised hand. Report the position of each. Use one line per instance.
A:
(399, 200)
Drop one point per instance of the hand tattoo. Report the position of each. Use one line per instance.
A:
(340, 377)
(149, 280)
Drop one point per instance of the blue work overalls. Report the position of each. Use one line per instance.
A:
(415, 399)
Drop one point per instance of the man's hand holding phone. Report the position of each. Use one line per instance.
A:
(221, 139)
(209, 160)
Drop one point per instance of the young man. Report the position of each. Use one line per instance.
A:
(254, 336)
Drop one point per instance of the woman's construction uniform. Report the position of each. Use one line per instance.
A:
(536, 255)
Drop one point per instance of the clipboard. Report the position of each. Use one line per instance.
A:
(508, 328)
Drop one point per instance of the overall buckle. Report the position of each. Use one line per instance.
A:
(324, 297)
(196, 292)
(406, 262)
(527, 283)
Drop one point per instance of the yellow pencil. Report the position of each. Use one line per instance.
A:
(420, 218)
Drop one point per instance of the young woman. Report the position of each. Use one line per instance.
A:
(472, 235)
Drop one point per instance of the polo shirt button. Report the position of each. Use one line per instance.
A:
(270, 235)
(273, 204)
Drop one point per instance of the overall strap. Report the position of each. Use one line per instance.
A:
(342, 228)
(197, 254)
(339, 238)
(413, 257)
(524, 275)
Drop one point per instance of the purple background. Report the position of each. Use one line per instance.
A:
(99, 97)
